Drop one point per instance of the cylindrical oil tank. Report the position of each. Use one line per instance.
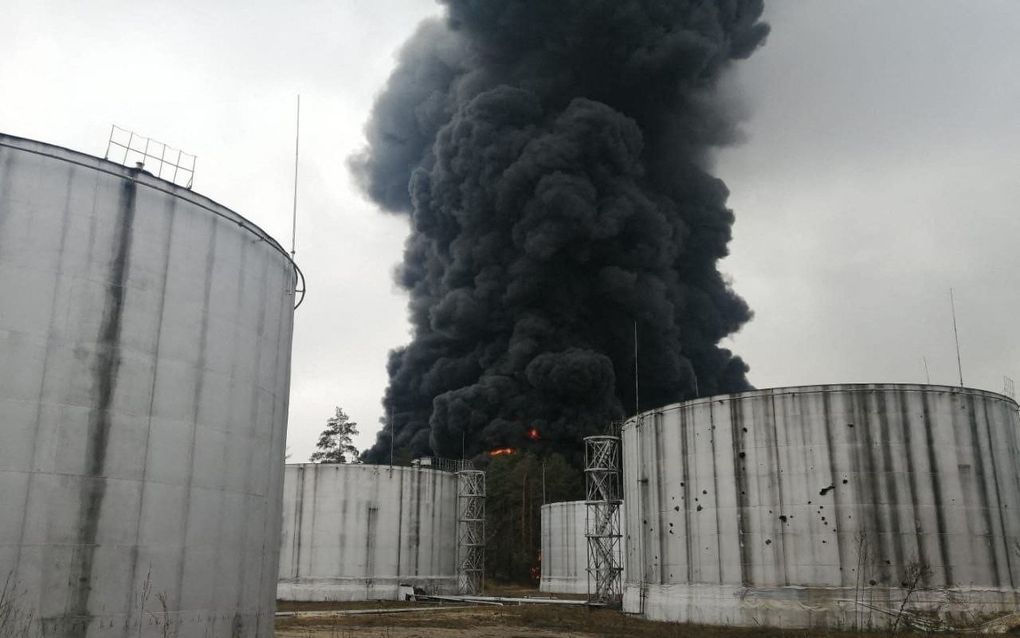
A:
(838, 505)
(360, 532)
(564, 548)
(145, 338)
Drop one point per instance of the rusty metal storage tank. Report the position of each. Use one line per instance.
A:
(359, 532)
(564, 548)
(824, 505)
(145, 339)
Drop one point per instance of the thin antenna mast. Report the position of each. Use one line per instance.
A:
(297, 146)
(637, 395)
(389, 422)
(927, 376)
(956, 335)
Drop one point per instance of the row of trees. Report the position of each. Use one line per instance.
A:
(517, 486)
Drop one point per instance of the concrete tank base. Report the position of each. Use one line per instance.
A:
(813, 607)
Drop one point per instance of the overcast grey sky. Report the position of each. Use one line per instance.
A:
(880, 168)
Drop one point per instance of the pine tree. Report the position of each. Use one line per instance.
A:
(335, 443)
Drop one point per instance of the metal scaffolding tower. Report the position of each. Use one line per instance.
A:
(602, 520)
(470, 531)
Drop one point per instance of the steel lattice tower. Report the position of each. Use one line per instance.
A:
(602, 521)
(470, 531)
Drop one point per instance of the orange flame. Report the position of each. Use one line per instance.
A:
(502, 451)
(534, 434)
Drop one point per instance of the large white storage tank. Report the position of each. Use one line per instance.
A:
(359, 532)
(145, 338)
(824, 505)
(564, 548)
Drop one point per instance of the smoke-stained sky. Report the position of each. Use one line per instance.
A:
(551, 159)
(879, 169)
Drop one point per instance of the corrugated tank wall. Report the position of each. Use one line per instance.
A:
(357, 532)
(564, 548)
(145, 338)
(824, 505)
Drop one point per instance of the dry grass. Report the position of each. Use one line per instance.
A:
(526, 621)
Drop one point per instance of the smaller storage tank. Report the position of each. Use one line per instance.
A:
(838, 505)
(359, 532)
(564, 548)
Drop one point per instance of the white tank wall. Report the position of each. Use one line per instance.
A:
(145, 338)
(357, 532)
(810, 506)
(564, 548)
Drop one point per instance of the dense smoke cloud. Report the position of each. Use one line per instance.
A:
(551, 158)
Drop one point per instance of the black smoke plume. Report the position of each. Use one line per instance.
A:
(551, 156)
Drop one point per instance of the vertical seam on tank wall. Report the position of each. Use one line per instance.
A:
(435, 530)
(784, 448)
(940, 520)
(449, 492)
(872, 479)
(170, 205)
(312, 527)
(908, 444)
(998, 499)
(370, 530)
(715, 493)
(685, 485)
(415, 545)
(400, 523)
(660, 522)
(345, 504)
(982, 486)
(892, 507)
(5, 180)
(738, 441)
(837, 505)
(274, 484)
(196, 397)
(857, 466)
(93, 483)
(566, 561)
(998, 495)
(244, 494)
(805, 430)
(272, 524)
(30, 475)
(569, 562)
(299, 514)
(639, 509)
(773, 426)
